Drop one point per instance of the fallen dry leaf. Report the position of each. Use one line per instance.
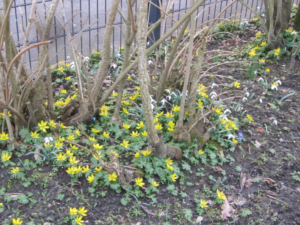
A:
(270, 193)
(248, 182)
(199, 219)
(271, 182)
(231, 198)
(232, 187)
(257, 144)
(260, 129)
(226, 210)
(243, 177)
(217, 169)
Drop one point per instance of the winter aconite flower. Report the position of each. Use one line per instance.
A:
(77, 132)
(221, 195)
(268, 70)
(58, 145)
(62, 126)
(85, 169)
(126, 126)
(139, 182)
(52, 124)
(73, 160)
(112, 177)
(277, 51)
(200, 152)
(43, 126)
(97, 146)
(79, 220)
(98, 169)
(71, 137)
(92, 139)
(95, 131)
(140, 125)
(145, 133)
(82, 211)
(73, 147)
(60, 157)
(170, 167)
(154, 183)
(125, 144)
(5, 157)
(249, 117)
(17, 221)
(15, 170)
(125, 111)
(136, 155)
(176, 108)
(234, 141)
(146, 152)
(263, 44)
(262, 60)
(252, 53)
(134, 134)
(174, 177)
(169, 115)
(203, 204)
(63, 91)
(237, 84)
(90, 178)
(106, 135)
(159, 114)
(169, 161)
(158, 126)
(73, 211)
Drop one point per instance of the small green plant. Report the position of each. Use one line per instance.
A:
(296, 175)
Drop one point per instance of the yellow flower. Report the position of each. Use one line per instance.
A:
(103, 113)
(112, 177)
(79, 220)
(204, 95)
(47, 145)
(138, 88)
(74, 96)
(256, 18)
(113, 152)
(294, 5)
(43, 126)
(92, 139)
(174, 177)
(5, 157)
(46, 103)
(159, 114)
(145, 133)
(67, 78)
(126, 126)
(139, 182)
(125, 144)
(85, 169)
(170, 167)
(62, 139)
(126, 103)
(17, 221)
(82, 210)
(115, 94)
(58, 145)
(186, 31)
(96, 52)
(106, 134)
(73, 211)
(73, 147)
(249, 117)
(200, 104)
(277, 51)
(237, 84)
(97, 156)
(146, 152)
(200, 152)
(104, 108)
(91, 178)
(169, 161)
(221, 195)
(63, 91)
(73, 160)
(187, 113)
(72, 170)
(71, 137)
(15, 170)
(34, 135)
(268, 70)
(125, 111)
(203, 204)
(60, 69)
(258, 34)
(136, 155)
(263, 44)
(154, 183)
(52, 124)
(95, 131)
(140, 125)
(77, 132)
(60, 157)
(155, 120)
(97, 146)
(256, 47)
(176, 108)
(235, 141)
(67, 65)
(289, 30)
(134, 134)
(171, 124)
(262, 60)
(62, 126)
(252, 53)
(98, 169)
(219, 111)
(68, 152)
(158, 126)
(169, 115)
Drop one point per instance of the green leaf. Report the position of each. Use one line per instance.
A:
(186, 166)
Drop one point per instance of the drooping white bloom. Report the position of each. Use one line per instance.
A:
(213, 85)
(274, 87)
(48, 139)
(150, 62)
(86, 59)
(163, 101)
(231, 136)
(244, 99)
(260, 100)
(275, 122)
(227, 110)
(278, 82)
(261, 79)
(223, 117)
(247, 94)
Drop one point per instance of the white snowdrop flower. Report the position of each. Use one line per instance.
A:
(247, 94)
(255, 72)
(231, 136)
(223, 117)
(150, 62)
(213, 85)
(274, 87)
(148, 43)
(167, 90)
(113, 65)
(48, 139)
(275, 122)
(263, 15)
(118, 55)
(261, 79)
(151, 99)
(169, 97)
(227, 110)
(86, 59)
(163, 101)
(260, 100)
(152, 107)
(278, 82)
(68, 57)
(213, 95)
(173, 93)
(294, 33)
(244, 99)
(258, 7)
